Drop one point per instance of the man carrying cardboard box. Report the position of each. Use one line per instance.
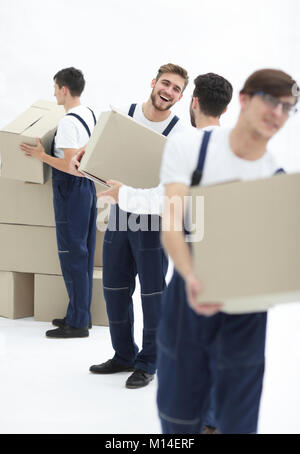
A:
(197, 341)
(127, 253)
(74, 201)
(212, 94)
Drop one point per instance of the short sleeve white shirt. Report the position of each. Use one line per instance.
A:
(70, 131)
(181, 154)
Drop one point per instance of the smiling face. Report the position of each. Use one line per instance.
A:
(166, 91)
(263, 119)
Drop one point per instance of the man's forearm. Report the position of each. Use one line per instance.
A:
(58, 163)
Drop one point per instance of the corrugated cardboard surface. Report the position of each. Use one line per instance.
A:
(26, 203)
(122, 149)
(16, 294)
(250, 255)
(30, 203)
(51, 299)
(39, 121)
(33, 249)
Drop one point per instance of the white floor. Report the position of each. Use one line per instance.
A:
(46, 386)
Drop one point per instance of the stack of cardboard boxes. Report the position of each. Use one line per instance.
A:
(30, 275)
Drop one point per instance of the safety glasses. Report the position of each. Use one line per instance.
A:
(273, 102)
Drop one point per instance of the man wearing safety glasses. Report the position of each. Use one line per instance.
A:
(199, 346)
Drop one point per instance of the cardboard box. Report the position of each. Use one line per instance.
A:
(40, 120)
(32, 204)
(51, 299)
(122, 149)
(249, 257)
(33, 249)
(26, 203)
(16, 294)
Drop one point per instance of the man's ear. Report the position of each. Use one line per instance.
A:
(244, 100)
(153, 82)
(195, 102)
(65, 90)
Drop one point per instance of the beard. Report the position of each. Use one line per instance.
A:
(157, 106)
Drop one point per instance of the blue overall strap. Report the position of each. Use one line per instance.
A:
(197, 175)
(95, 121)
(278, 171)
(131, 110)
(82, 122)
(170, 126)
(53, 144)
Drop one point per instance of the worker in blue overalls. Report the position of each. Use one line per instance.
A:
(213, 93)
(129, 253)
(199, 345)
(75, 203)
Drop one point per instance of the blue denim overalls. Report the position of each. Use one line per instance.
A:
(75, 203)
(197, 356)
(125, 254)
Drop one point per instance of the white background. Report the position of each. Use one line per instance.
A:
(119, 45)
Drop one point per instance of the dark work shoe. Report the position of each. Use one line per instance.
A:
(138, 379)
(60, 322)
(67, 331)
(110, 367)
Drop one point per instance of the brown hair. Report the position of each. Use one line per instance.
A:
(71, 78)
(271, 81)
(173, 69)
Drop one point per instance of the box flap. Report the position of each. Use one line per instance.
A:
(43, 104)
(39, 110)
(47, 122)
(24, 121)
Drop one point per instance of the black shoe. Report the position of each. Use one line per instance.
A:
(67, 331)
(138, 379)
(110, 367)
(60, 322)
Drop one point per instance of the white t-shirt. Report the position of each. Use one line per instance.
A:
(70, 131)
(181, 154)
(146, 201)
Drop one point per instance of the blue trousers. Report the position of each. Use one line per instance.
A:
(75, 207)
(196, 352)
(127, 253)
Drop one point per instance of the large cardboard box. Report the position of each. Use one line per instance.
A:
(26, 203)
(32, 204)
(249, 257)
(51, 299)
(16, 294)
(33, 249)
(122, 149)
(40, 120)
